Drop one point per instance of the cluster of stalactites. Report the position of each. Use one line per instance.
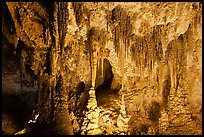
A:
(147, 50)
(97, 41)
(121, 27)
(152, 47)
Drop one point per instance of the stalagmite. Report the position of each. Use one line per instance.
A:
(90, 125)
(123, 118)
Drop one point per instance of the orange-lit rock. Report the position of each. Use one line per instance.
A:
(148, 53)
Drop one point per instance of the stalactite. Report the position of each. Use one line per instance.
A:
(148, 59)
(121, 30)
(59, 21)
(126, 35)
(63, 16)
(98, 63)
(156, 43)
(180, 39)
(174, 63)
(184, 56)
(78, 11)
(126, 51)
(135, 52)
(140, 52)
(195, 22)
(102, 59)
(193, 28)
(171, 64)
(176, 7)
(141, 57)
(97, 41)
(120, 43)
(148, 54)
(153, 47)
(143, 54)
(116, 41)
(93, 66)
(107, 25)
(138, 46)
(122, 62)
(129, 37)
(120, 58)
(55, 46)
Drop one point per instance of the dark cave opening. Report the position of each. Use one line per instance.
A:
(17, 103)
(80, 88)
(8, 23)
(106, 84)
(108, 76)
(104, 92)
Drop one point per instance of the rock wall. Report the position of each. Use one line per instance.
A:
(154, 50)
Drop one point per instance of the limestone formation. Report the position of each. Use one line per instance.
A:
(85, 56)
(123, 119)
(90, 124)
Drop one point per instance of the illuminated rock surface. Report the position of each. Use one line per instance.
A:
(103, 68)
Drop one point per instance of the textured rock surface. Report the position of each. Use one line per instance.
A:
(148, 52)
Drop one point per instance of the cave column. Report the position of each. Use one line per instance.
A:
(90, 125)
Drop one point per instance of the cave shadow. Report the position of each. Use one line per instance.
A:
(104, 90)
(14, 107)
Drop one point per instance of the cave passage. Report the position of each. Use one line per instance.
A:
(104, 91)
(108, 76)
